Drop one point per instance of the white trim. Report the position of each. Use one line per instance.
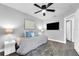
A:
(65, 31)
(69, 16)
(57, 40)
(65, 19)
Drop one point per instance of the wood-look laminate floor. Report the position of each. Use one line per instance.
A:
(52, 48)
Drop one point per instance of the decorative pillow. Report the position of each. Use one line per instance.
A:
(30, 34)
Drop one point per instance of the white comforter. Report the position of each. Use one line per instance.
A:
(32, 43)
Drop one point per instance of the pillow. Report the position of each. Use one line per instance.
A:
(30, 34)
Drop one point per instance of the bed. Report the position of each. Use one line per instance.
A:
(30, 44)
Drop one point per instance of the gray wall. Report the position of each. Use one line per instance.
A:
(76, 26)
(76, 31)
(57, 35)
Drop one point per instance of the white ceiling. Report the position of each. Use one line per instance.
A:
(62, 9)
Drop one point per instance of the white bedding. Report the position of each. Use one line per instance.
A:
(32, 43)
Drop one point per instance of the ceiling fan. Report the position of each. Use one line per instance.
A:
(44, 8)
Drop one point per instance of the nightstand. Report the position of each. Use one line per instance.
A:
(9, 47)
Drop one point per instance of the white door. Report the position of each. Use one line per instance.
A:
(69, 30)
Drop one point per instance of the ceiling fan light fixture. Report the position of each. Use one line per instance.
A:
(44, 8)
(43, 11)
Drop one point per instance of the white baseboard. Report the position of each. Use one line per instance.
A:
(57, 40)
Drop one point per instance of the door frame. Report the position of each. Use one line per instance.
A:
(70, 29)
(69, 18)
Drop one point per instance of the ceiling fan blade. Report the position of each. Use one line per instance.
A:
(38, 11)
(49, 4)
(44, 14)
(37, 6)
(50, 10)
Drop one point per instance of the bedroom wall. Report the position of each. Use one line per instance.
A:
(56, 35)
(76, 31)
(14, 18)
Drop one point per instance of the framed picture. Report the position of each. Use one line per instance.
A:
(29, 24)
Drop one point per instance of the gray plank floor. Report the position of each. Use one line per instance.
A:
(52, 48)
